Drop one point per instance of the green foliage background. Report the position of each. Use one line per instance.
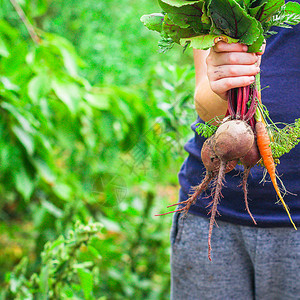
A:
(92, 126)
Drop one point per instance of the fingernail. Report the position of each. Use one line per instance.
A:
(245, 48)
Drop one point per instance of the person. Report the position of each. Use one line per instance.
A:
(248, 261)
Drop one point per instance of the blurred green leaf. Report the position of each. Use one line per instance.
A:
(18, 116)
(86, 281)
(25, 139)
(52, 209)
(62, 190)
(6, 28)
(44, 171)
(98, 101)
(3, 48)
(44, 282)
(68, 93)
(8, 84)
(38, 7)
(24, 183)
(70, 58)
(38, 87)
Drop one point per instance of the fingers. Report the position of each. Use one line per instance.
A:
(225, 47)
(221, 86)
(235, 47)
(231, 58)
(219, 72)
(231, 66)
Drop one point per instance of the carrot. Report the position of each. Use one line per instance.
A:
(263, 143)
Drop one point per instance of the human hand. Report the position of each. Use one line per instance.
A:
(230, 66)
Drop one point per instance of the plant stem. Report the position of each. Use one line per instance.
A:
(244, 101)
(230, 104)
(252, 109)
(26, 22)
(239, 103)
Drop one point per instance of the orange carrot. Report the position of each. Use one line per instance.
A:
(263, 143)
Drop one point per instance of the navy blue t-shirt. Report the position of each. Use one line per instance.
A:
(280, 70)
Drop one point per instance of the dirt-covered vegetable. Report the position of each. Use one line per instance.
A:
(244, 135)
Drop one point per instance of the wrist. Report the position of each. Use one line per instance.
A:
(207, 103)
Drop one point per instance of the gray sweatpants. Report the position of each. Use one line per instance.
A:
(247, 262)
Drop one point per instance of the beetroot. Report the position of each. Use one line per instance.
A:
(252, 157)
(233, 139)
(210, 159)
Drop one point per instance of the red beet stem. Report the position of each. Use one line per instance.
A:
(239, 103)
(245, 100)
(251, 111)
(227, 113)
(230, 103)
(252, 123)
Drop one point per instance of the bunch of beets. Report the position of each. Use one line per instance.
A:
(233, 142)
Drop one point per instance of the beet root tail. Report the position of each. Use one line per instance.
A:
(215, 202)
(193, 198)
(245, 178)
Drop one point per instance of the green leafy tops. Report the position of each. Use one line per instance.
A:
(201, 23)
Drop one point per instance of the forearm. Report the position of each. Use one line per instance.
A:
(208, 104)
